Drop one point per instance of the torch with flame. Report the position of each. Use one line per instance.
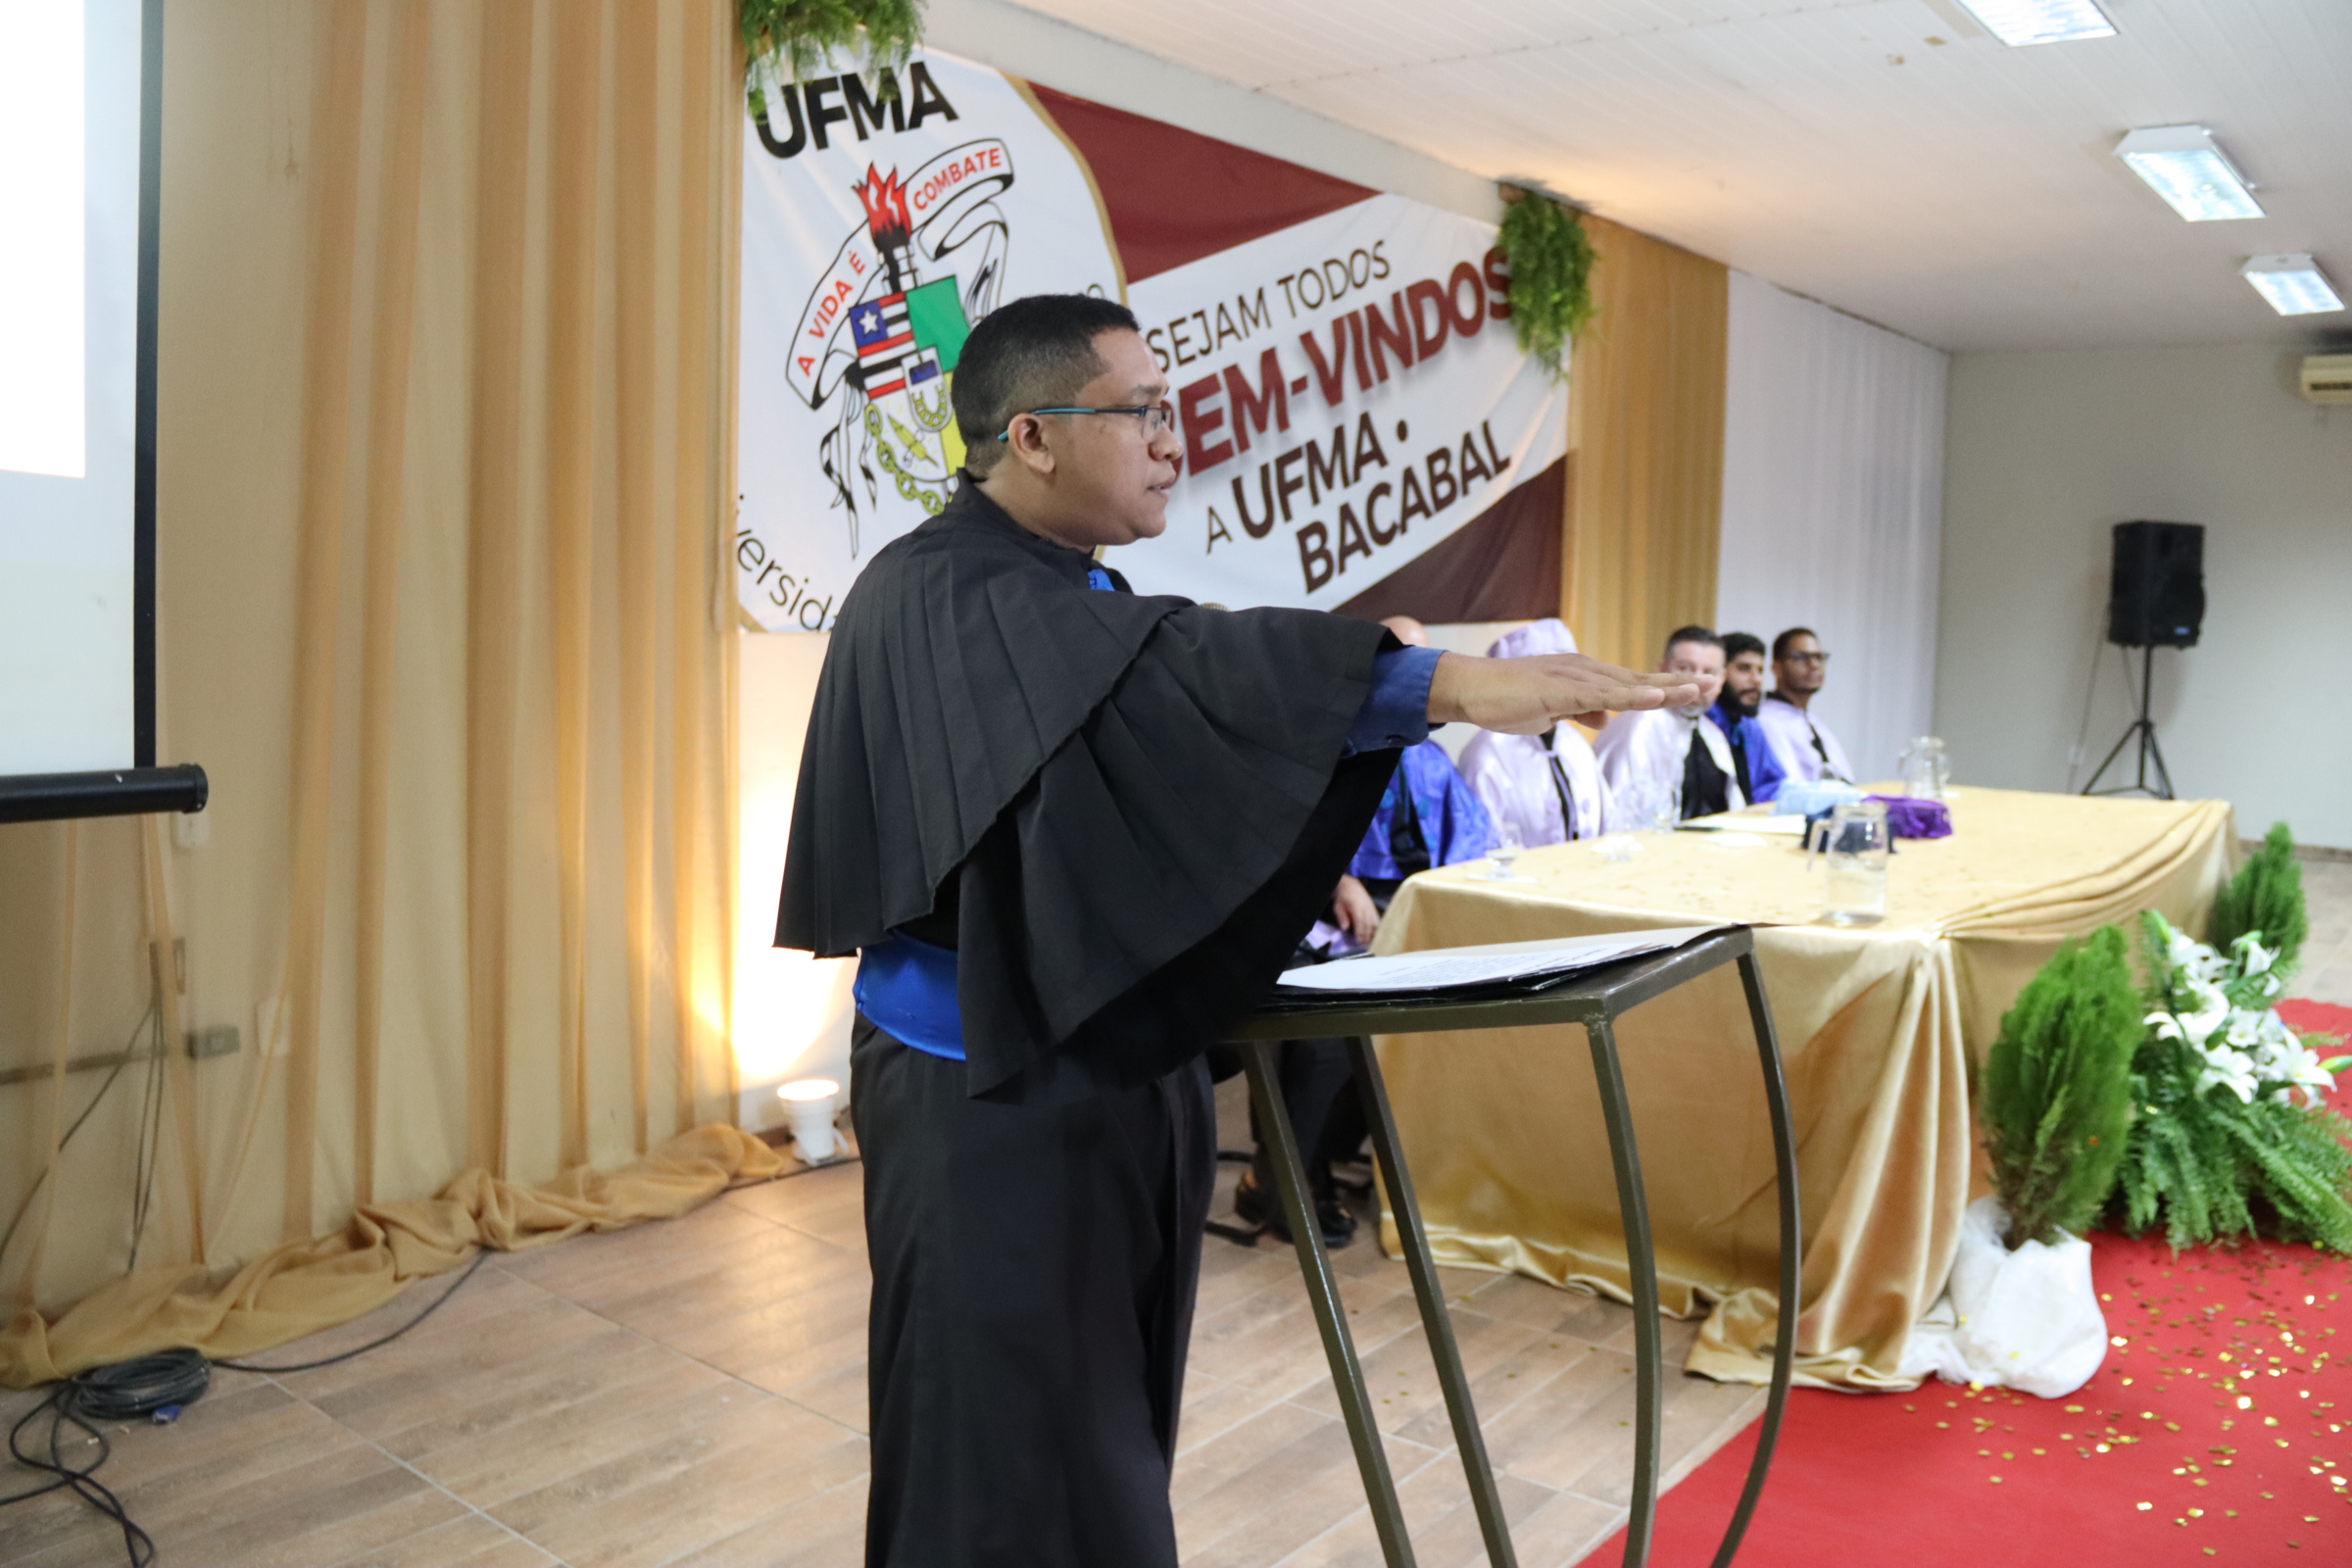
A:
(887, 219)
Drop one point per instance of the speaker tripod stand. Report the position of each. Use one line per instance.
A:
(2143, 729)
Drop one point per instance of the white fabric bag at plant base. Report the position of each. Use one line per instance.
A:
(2028, 1321)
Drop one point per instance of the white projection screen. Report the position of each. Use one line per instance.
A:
(80, 139)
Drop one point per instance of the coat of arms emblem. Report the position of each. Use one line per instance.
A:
(883, 328)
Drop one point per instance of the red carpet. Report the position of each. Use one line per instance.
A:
(2219, 1431)
(2323, 1017)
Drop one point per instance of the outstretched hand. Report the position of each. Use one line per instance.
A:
(1528, 696)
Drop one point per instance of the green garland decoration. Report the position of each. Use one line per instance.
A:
(2218, 1160)
(2057, 1089)
(794, 37)
(2265, 897)
(1550, 256)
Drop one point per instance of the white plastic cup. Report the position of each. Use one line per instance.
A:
(810, 1103)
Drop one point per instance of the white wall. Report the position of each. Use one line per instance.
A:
(2046, 452)
(792, 1012)
(1833, 491)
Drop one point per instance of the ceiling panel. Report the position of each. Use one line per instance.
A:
(1885, 155)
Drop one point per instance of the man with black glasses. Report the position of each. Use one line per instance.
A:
(1807, 750)
(1073, 833)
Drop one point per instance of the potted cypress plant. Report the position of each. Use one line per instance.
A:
(2055, 1101)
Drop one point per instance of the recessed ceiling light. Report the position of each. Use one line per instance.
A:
(2293, 284)
(2182, 164)
(2017, 23)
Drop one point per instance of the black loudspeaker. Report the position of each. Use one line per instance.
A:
(2156, 591)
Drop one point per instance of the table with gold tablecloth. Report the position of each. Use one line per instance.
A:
(1880, 1025)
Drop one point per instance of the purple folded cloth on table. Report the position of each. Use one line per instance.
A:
(1909, 819)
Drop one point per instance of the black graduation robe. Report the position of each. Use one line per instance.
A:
(1123, 812)
(1134, 805)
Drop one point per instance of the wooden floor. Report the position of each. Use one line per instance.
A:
(693, 1391)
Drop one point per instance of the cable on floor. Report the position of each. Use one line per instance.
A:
(479, 1258)
(148, 1385)
(159, 1387)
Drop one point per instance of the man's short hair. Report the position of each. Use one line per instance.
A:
(1700, 635)
(1780, 644)
(1032, 353)
(1735, 643)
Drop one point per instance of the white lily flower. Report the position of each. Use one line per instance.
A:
(2249, 1052)
(2208, 1012)
(2231, 1070)
(2300, 1067)
(2188, 956)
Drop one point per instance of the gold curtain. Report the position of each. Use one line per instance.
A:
(445, 443)
(1645, 421)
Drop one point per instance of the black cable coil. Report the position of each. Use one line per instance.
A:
(118, 1393)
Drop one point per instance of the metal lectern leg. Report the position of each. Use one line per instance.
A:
(1784, 1346)
(1641, 1260)
(1429, 1292)
(1322, 1290)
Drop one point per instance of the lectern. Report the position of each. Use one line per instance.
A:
(1595, 1001)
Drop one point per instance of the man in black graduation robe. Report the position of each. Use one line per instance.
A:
(1075, 833)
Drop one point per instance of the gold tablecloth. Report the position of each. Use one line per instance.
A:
(1878, 1025)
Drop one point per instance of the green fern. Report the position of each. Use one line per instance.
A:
(2203, 1161)
(797, 36)
(2266, 896)
(1550, 258)
(2057, 1100)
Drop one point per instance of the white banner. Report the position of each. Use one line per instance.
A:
(1348, 395)
(1349, 399)
(876, 229)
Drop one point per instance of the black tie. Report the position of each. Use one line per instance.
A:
(1559, 782)
(1703, 783)
(1829, 770)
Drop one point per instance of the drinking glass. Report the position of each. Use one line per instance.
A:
(1652, 806)
(1853, 843)
(1503, 852)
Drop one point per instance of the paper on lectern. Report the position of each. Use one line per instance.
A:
(1448, 969)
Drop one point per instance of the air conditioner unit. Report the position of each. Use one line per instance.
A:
(2327, 378)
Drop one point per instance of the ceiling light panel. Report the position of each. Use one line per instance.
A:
(2017, 23)
(2182, 164)
(2293, 285)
